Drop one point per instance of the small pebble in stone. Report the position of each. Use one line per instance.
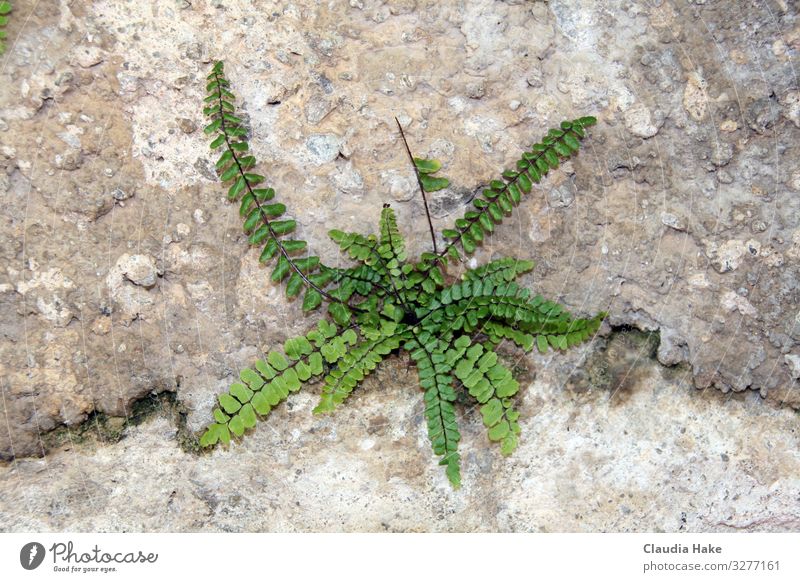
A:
(641, 122)
(180, 82)
(476, 90)
(70, 162)
(722, 154)
(120, 194)
(194, 51)
(88, 56)
(724, 177)
(139, 270)
(793, 361)
(187, 125)
(753, 247)
(401, 187)
(762, 114)
(534, 78)
(672, 221)
(317, 109)
(324, 147)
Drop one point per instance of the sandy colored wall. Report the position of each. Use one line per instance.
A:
(125, 273)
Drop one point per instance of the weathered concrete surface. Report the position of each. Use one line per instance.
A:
(654, 455)
(125, 273)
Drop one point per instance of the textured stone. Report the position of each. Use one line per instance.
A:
(138, 269)
(672, 349)
(98, 163)
(733, 302)
(727, 256)
(762, 114)
(323, 147)
(791, 107)
(793, 361)
(589, 460)
(695, 98)
(672, 221)
(317, 108)
(640, 122)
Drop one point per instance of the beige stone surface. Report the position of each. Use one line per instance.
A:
(651, 454)
(124, 273)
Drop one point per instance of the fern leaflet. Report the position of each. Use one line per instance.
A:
(5, 10)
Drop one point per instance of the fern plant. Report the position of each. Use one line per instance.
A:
(387, 302)
(5, 10)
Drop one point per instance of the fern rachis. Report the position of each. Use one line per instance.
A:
(387, 302)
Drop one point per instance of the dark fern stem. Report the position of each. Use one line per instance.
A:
(419, 183)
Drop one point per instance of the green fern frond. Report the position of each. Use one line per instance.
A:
(435, 378)
(368, 249)
(505, 269)
(359, 247)
(468, 305)
(392, 245)
(392, 250)
(5, 10)
(271, 380)
(362, 279)
(359, 362)
(493, 386)
(425, 170)
(264, 219)
(384, 302)
(497, 332)
(499, 200)
(422, 282)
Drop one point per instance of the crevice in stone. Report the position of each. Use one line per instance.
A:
(618, 363)
(101, 428)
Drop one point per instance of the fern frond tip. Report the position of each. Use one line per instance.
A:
(5, 10)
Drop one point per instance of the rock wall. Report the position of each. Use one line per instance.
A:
(125, 273)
